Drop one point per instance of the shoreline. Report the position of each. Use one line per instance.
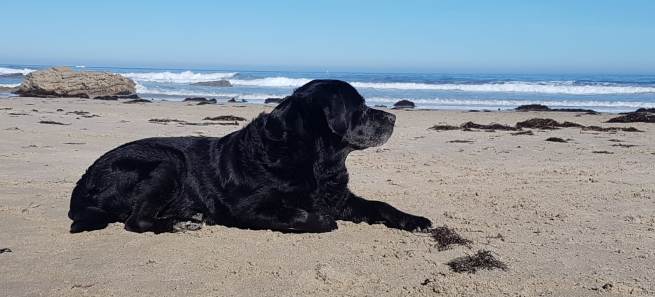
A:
(568, 219)
(256, 102)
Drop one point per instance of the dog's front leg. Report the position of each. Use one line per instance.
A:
(358, 210)
(271, 213)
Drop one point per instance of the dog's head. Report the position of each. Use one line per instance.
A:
(333, 109)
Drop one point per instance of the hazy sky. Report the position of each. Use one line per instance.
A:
(608, 36)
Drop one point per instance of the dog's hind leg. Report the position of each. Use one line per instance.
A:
(153, 195)
(89, 219)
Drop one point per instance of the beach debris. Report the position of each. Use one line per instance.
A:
(214, 83)
(181, 122)
(492, 127)
(483, 259)
(5, 250)
(643, 115)
(273, 100)
(444, 127)
(75, 143)
(5, 108)
(137, 101)
(526, 132)
(64, 82)
(460, 141)
(556, 139)
(404, 104)
(615, 140)
(48, 122)
(17, 114)
(602, 152)
(446, 237)
(540, 107)
(224, 118)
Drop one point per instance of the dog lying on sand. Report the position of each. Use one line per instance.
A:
(284, 171)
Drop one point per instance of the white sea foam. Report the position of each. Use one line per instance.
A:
(559, 87)
(513, 103)
(9, 85)
(143, 90)
(271, 82)
(178, 77)
(520, 87)
(23, 71)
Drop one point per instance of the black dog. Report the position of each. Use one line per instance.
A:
(284, 171)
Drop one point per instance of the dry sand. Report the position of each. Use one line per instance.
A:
(567, 221)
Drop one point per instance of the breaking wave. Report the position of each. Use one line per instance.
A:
(4, 70)
(178, 77)
(557, 87)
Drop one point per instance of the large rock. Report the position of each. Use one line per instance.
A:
(64, 82)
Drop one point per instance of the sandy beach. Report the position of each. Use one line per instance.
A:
(568, 219)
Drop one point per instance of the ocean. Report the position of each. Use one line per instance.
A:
(609, 93)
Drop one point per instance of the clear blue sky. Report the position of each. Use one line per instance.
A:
(608, 36)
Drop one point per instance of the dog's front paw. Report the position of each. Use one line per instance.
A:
(187, 226)
(415, 223)
(320, 223)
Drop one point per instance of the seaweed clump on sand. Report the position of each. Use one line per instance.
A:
(483, 259)
(446, 237)
(611, 129)
(643, 115)
(138, 100)
(491, 127)
(549, 124)
(224, 118)
(48, 122)
(526, 132)
(444, 128)
(182, 122)
(556, 139)
(539, 107)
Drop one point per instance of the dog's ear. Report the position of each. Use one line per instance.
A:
(335, 115)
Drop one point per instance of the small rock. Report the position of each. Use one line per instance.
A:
(404, 104)
(273, 100)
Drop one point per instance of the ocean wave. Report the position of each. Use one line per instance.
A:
(178, 77)
(9, 85)
(271, 82)
(4, 70)
(512, 103)
(547, 87)
(143, 90)
(515, 87)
